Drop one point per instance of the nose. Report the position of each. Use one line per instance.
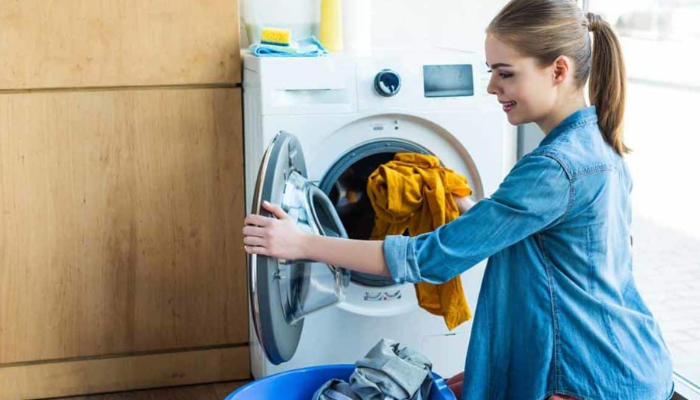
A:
(492, 88)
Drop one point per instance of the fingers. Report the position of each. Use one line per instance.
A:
(276, 210)
(254, 241)
(251, 230)
(256, 250)
(258, 220)
(256, 232)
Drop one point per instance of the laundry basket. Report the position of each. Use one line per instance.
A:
(301, 384)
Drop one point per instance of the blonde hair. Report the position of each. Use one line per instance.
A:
(547, 29)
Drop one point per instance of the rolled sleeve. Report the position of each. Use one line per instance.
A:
(535, 195)
(400, 256)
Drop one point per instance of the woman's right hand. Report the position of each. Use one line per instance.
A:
(274, 237)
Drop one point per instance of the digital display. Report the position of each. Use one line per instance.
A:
(448, 80)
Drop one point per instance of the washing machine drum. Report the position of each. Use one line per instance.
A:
(345, 183)
(283, 292)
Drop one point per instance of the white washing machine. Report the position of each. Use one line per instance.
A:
(315, 128)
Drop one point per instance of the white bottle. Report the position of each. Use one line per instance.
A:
(357, 27)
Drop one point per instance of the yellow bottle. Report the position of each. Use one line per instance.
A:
(331, 36)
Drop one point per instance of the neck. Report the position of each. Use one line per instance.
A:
(561, 111)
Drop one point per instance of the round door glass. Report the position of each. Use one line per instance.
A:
(346, 186)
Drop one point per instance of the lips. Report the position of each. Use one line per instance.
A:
(508, 105)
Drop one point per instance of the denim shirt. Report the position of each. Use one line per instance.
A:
(558, 311)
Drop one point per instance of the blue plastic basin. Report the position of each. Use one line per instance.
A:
(301, 384)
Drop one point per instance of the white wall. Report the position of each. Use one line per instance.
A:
(447, 23)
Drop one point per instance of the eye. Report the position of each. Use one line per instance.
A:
(503, 75)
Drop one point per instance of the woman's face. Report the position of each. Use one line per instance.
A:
(524, 89)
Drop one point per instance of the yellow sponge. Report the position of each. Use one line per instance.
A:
(275, 36)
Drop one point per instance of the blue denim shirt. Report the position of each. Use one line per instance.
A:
(558, 311)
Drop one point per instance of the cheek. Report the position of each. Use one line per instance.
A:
(535, 95)
(532, 101)
(518, 89)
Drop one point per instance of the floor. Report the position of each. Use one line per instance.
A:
(215, 391)
(666, 225)
(667, 272)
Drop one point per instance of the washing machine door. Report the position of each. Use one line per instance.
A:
(283, 292)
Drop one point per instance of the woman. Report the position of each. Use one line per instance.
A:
(559, 315)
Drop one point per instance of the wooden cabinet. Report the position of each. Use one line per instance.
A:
(120, 220)
(98, 43)
(121, 196)
(120, 217)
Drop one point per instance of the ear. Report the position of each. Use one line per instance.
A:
(561, 67)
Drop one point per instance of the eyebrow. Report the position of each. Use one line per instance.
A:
(498, 65)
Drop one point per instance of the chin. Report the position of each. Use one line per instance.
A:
(519, 117)
(514, 120)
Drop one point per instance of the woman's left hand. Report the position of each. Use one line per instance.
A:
(464, 203)
(278, 237)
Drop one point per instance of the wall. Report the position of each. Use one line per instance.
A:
(447, 23)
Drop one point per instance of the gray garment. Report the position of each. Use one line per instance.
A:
(389, 371)
(335, 389)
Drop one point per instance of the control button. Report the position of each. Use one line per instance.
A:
(387, 83)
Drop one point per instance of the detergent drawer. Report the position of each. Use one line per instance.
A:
(300, 86)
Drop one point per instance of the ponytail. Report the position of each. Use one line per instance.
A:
(607, 84)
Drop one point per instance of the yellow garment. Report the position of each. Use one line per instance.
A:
(413, 192)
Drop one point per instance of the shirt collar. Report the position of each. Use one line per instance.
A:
(584, 116)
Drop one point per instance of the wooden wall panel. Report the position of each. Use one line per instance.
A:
(98, 43)
(120, 222)
(119, 373)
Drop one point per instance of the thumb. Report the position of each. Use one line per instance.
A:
(276, 210)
